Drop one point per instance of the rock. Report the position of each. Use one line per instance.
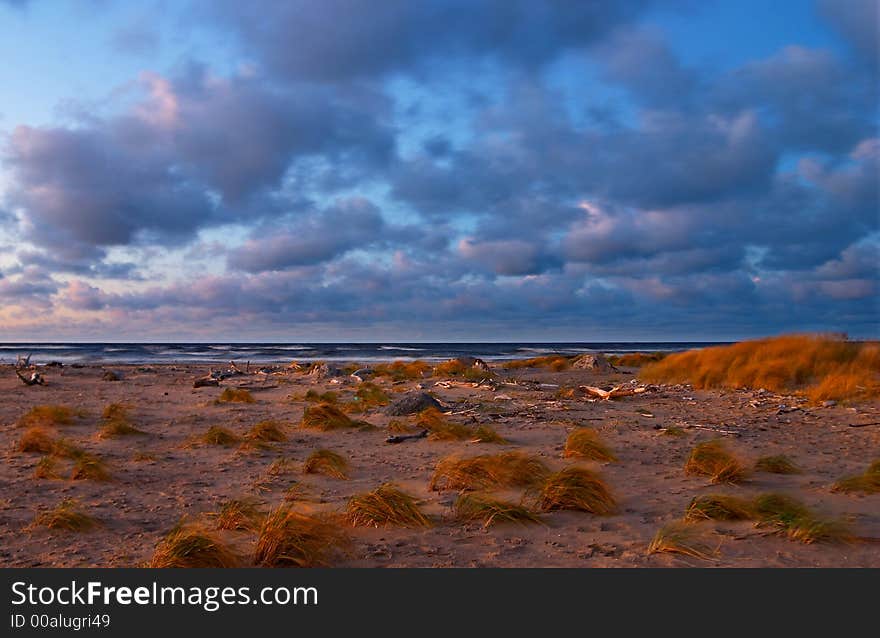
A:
(206, 382)
(110, 375)
(829, 404)
(412, 403)
(324, 370)
(473, 362)
(592, 361)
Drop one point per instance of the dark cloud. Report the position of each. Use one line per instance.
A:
(856, 21)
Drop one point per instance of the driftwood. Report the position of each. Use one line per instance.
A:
(23, 362)
(400, 438)
(35, 379)
(614, 393)
(863, 425)
(206, 382)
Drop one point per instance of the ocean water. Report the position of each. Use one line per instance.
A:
(286, 352)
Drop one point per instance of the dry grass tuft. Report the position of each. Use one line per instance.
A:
(487, 434)
(384, 506)
(673, 430)
(458, 368)
(491, 511)
(821, 367)
(218, 435)
(66, 516)
(190, 547)
(403, 370)
(369, 395)
(47, 468)
(793, 519)
(576, 488)
(440, 428)
(36, 439)
(636, 359)
(239, 514)
(89, 467)
(321, 397)
(867, 482)
(586, 444)
(719, 507)
(115, 411)
(116, 422)
(510, 469)
(777, 464)
(681, 538)
(328, 417)
(235, 395)
(291, 539)
(328, 463)
(270, 431)
(399, 426)
(555, 362)
(46, 416)
(712, 459)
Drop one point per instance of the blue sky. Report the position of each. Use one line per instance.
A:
(464, 170)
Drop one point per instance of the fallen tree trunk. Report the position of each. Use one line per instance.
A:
(400, 438)
(35, 379)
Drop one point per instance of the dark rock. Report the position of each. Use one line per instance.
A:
(412, 403)
(110, 375)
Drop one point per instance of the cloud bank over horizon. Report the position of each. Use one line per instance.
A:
(464, 170)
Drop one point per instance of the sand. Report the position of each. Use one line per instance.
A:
(162, 476)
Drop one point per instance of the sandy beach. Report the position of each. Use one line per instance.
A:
(168, 472)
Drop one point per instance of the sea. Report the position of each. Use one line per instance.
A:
(145, 353)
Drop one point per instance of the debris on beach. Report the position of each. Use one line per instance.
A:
(412, 403)
(592, 361)
(35, 379)
(616, 392)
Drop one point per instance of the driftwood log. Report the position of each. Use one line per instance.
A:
(614, 393)
(35, 379)
(400, 438)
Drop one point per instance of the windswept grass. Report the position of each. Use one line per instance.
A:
(291, 539)
(586, 444)
(116, 422)
(712, 459)
(327, 417)
(47, 468)
(403, 370)
(458, 368)
(555, 362)
(636, 359)
(791, 518)
(267, 431)
(509, 469)
(36, 439)
(192, 546)
(67, 516)
(681, 538)
(239, 514)
(235, 395)
(719, 507)
(483, 508)
(387, 505)
(440, 428)
(487, 434)
(820, 367)
(867, 482)
(400, 426)
(89, 467)
(321, 397)
(328, 463)
(777, 464)
(370, 395)
(218, 435)
(576, 488)
(47, 416)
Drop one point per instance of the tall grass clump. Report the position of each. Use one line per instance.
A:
(488, 510)
(487, 434)
(554, 362)
(116, 423)
(66, 516)
(776, 464)
(292, 539)
(239, 514)
(586, 444)
(403, 370)
(192, 546)
(328, 463)
(712, 459)
(867, 482)
(321, 397)
(235, 395)
(820, 367)
(440, 428)
(719, 507)
(268, 431)
(579, 489)
(509, 469)
(681, 538)
(36, 439)
(636, 359)
(387, 505)
(459, 368)
(218, 435)
(369, 395)
(789, 517)
(327, 417)
(47, 416)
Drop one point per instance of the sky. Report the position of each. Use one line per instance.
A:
(464, 170)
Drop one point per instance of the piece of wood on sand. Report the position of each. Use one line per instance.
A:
(614, 393)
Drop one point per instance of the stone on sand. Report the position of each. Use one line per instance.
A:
(412, 403)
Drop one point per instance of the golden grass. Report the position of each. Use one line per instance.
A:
(115, 411)
(636, 359)
(239, 514)
(218, 435)
(269, 431)
(457, 368)
(789, 517)
(291, 539)
(328, 463)
(674, 431)
(820, 367)
(321, 397)
(192, 546)
(370, 395)
(554, 362)
(776, 464)
(509, 469)
(90, 468)
(440, 428)
(712, 459)
(681, 538)
(576, 488)
(328, 417)
(586, 444)
(36, 439)
(483, 508)
(116, 422)
(47, 415)
(235, 395)
(47, 468)
(867, 482)
(403, 370)
(387, 505)
(66, 516)
(397, 425)
(719, 507)
(487, 434)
